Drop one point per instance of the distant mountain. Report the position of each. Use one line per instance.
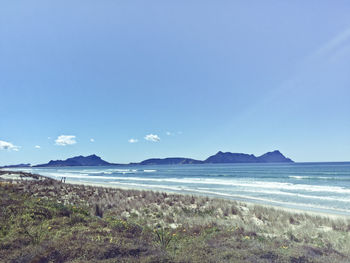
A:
(223, 157)
(91, 160)
(174, 160)
(21, 165)
(228, 157)
(274, 157)
(220, 157)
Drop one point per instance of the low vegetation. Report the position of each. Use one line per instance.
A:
(43, 220)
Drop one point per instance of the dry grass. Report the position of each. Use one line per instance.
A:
(147, 226)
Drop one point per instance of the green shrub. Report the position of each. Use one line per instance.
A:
(163, 237)
(76, 219)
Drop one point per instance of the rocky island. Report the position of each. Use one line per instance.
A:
(220, 157)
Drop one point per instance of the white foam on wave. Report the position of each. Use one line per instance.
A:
(83, 176)
(273, 190)
(252, 190)
(278, 193)
(300, 177)
(315, 172)
(244, 197)
(152, 186)
(225, 182)
(69, 171)
(69, 175)
(270, 185)
(272, 201)
(100, 171)
(149, 171)
(250, 184)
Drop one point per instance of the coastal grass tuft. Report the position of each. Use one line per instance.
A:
(43, 220)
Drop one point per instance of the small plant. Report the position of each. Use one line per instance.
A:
(118, 224)
(127, 227)
(76, 219)
(163, 237)
(235, 210)
(35, 234)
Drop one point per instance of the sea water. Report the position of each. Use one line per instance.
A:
(323, 187)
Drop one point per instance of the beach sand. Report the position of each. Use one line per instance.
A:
(268, 229)
(24, 176)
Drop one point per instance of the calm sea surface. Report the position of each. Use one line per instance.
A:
(310, 186)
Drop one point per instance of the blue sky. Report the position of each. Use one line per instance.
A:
(195, 76)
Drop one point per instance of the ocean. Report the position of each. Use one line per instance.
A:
(321, 187)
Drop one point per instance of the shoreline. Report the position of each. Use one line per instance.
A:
(56, 220)
(290, 192)
(290, 209)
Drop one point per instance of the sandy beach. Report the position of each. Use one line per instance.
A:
(173, 223)
(17, 176)
(175, 132)
(247, 203)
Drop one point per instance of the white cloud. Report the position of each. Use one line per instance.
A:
(152, 138)
(37, 146)
(173, 133)
(133, 140)
(8, 146)
(92, 140)
(64, 140)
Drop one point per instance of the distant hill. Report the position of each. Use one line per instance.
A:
(220, 157)
(274, 157)
(175, 160)
(228, 157)
(91, 160)
(21, 165)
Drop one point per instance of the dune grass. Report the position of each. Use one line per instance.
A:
(46, 221)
